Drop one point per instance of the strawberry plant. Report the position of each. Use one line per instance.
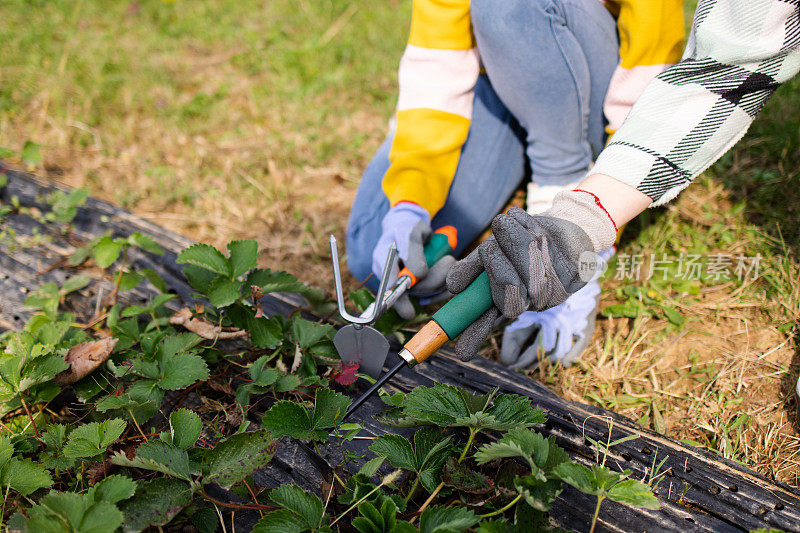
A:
(84, 445)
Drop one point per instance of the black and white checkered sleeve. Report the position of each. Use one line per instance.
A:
(738, 53)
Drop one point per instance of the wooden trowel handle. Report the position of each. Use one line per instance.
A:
(449, 321)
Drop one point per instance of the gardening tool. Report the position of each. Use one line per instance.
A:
(358, 342)
(446, 324)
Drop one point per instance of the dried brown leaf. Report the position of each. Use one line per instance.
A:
(84, 358)
(204, 327)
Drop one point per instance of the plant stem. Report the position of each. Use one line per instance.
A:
(249, 506)
(505, 508)
(367, 495)
(137, 425)
(28, 411)
(600, 499)
(413, 488)
(608, 442)
(253, 494)
(472, 433)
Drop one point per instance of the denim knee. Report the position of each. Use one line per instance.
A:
(359, 246)
(500, 22)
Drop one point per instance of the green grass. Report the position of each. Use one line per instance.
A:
(288, 65)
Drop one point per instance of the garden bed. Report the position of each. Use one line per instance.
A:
(697, 490)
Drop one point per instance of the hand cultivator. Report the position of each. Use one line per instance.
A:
(359, 342)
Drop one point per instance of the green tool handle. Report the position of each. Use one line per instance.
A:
(440, 244)
(465, 307)
(448, 322)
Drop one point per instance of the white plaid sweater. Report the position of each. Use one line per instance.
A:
(738, 53)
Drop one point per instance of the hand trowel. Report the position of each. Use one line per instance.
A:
(359, 342)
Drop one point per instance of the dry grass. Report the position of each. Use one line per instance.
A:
(723, 380)
(250, 119)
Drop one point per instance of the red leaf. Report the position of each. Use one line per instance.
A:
(348, 374)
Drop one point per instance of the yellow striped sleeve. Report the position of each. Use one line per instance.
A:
(424, 157)
(442, 24)
(650, 32)
(650, 40)
(437, 76)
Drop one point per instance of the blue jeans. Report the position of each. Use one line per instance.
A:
(538, 112)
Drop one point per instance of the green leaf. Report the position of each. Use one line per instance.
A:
(24, 476)
(298, 421)
(6, 450)
(64, 205)
(199, 278)
(396, 449)
(634, 493)
(157, 456)
(281, 521)
(449, 406)
(129, 280)
(265, 332)
(75, 283)
(205, 256)
(286, 383)
(114, 489)
(629, 309)
(370, 467)
(542, 454)
(224, 292)
(262, 375)
(464, 479)
(578, 476)
(307, 333)
(62, 512)
(155, 503)
(238, 456)
(92, 439)
(145, 242)
(426, 457)
(672, 315)
(300, 502)
(205, 520)
(154, 278)
(437, 519)
(102, 517)
(374, 520)
(243, 256)
(292, 419)
(181, 370)
(185, 427)
(329, 408)
(278, 281)
(370, 521)
(31, 155)
(495, 526)
(538, 493)
(106, 251)
(594, 481)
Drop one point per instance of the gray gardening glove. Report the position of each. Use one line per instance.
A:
(533, 262)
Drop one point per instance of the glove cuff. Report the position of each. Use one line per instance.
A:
(584, 209)
(404, 209)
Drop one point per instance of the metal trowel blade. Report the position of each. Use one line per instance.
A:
(363, 345)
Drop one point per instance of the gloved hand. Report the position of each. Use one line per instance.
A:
(562, 332)
(408, 225)
(534, 261)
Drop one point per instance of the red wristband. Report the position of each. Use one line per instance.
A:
(600, 205)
